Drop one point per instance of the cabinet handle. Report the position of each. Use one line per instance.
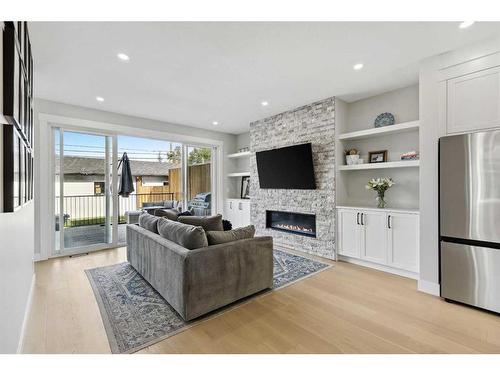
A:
(389, 221)
(357, 218)
(231, 205)
(240, 206)
(362, 218)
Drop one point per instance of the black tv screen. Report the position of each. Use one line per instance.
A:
(286, 168)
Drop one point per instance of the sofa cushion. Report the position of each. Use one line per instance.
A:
(169, 213)
(218, 237)
(185, 235)
(207, 222)
(148, 222)
(168, 204)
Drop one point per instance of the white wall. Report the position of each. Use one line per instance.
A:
(430, 131)
(16, 259)
(16, 273)
(124, 123)
(403, 103)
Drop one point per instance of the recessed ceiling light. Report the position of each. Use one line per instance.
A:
(264, 103)
(215, 123)
(123, 57)
(465, 24)
(99, 98)
(357, 66)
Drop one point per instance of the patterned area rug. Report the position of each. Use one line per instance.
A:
(136, 316)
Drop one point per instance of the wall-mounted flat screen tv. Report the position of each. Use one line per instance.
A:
(286, 168)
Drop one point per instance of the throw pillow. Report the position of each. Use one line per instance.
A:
(169, 213)
(185, 235)
(217, 237)
(207, 222)
(148, 222)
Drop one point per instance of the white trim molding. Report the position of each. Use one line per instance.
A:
(429, 287)
(27, 311)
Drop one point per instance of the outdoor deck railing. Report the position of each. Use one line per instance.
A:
(80, 210)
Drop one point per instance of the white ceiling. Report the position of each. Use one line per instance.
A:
(196, 73)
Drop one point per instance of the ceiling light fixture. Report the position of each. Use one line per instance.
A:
(215, 123)
(358, 66)
(465, 24)
(264, 103)
(99, 98)
(123, 57)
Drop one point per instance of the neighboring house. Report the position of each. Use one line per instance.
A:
(84, 185)
(86, 176)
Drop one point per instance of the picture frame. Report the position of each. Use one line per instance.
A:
(377, 156)
(245, 187)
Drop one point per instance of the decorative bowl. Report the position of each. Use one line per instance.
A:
(384, 119)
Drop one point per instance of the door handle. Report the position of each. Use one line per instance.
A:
(357, 218)
(389, 221)
(362, 218)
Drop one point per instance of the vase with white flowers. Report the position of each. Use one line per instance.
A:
(380, 185)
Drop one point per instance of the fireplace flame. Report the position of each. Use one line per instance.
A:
(297, 228)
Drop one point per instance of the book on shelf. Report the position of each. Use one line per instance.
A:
(411, 155)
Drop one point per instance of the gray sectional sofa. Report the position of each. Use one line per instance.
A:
(197, 281)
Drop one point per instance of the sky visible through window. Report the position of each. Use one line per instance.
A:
(92, 146)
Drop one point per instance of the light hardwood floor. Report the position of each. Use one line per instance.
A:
(345, 309)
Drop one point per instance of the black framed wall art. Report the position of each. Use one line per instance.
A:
(18, 110)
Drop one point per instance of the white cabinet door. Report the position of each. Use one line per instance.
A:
(374, 236)
(403, 241)
(348, 232)
(244, 212)
(473, 101)
(230, 211)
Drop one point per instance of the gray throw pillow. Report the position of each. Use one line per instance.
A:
(217, 237)
(148, 222)
(187, 236)
(207, 222)
(169, 213)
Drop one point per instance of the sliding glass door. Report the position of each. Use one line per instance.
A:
(83, 212)
(88, 214)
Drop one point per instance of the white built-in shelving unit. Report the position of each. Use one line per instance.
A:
(238, 174)
(385, 239)
(386, 165)
(238, 155)
(382, 131)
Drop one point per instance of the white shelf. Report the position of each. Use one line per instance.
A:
(385, 130)
(386, 165)
(239, 155)
(386, 209)
(238, 174)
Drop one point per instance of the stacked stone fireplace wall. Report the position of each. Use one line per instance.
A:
(315, 124)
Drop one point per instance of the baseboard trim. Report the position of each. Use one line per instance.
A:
(379, 267)
(26, 315)
(429, 287)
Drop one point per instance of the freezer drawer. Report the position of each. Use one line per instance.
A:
(471, 274)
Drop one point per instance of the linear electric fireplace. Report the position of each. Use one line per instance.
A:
(293, 222)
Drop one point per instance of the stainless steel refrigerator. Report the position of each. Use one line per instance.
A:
(469, 210)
